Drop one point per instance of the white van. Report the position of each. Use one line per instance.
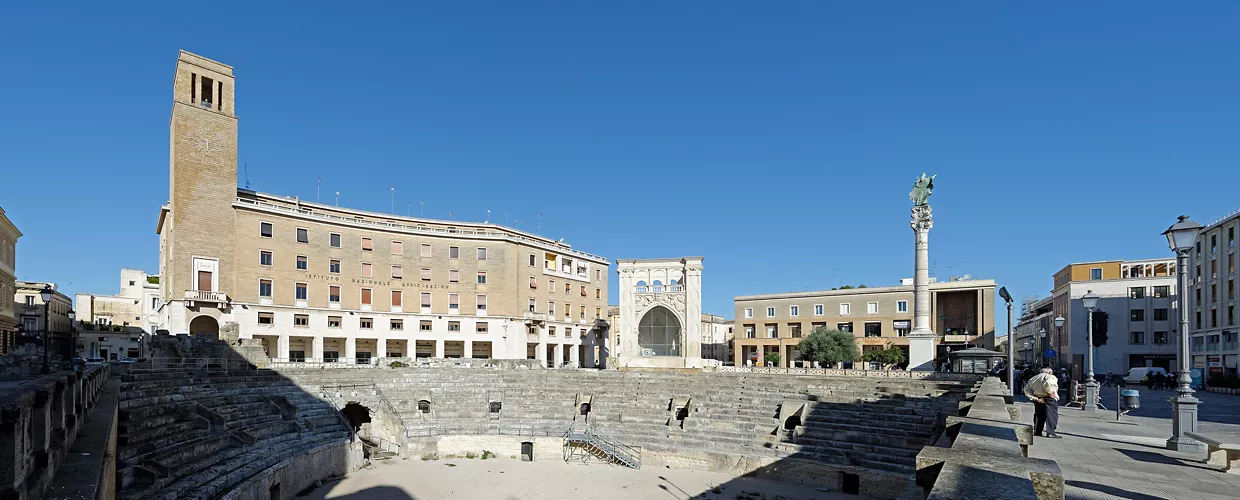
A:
(1137, 375)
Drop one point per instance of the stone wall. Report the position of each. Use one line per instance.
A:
(39, 421)
(284, 480)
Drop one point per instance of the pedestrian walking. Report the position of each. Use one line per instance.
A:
(1043, 390)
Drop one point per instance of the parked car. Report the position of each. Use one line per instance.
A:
(95, 361)
(127, 360)
(1136, 375)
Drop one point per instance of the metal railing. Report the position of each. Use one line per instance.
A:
(423, 229)
(206, 296)
(584, 444)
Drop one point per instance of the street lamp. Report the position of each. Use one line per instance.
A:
(1011, 342)
(1090, 301)
(1180, 237)
(73, 333)
(1042, 346)
(46, 293)
(1059, 321)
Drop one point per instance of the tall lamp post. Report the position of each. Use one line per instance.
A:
(1090, 301)
(46, 293)
(1180, 237)
(1042, 346)
(73, 337)
(1059, 321)
(1011, 342)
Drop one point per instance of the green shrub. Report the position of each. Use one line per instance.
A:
(488, 454)
(398, 364)
(430, 456)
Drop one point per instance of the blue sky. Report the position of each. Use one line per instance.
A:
(778, 139)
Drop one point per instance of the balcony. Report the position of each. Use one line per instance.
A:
(661, 289)
(535, 317)
(197, 298)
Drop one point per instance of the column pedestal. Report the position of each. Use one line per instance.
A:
(1184, 419)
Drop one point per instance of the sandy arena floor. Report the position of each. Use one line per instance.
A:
(508, 479)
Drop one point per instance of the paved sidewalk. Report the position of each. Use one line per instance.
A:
(1102, 459)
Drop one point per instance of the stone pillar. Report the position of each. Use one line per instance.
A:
(921, 338)
(350, 350)
(540, 354)
(438, 349)
(558, 354)
(281, 347)
(316, 349)
(381, 348)
(468, 349)
(574, 355)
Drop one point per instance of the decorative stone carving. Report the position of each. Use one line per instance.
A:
(922, 219)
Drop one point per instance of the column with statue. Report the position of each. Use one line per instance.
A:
(921, 338)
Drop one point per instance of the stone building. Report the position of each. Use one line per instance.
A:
(1212, 299)
(8, 282)
(319, 282)
(660, 315)
(1137, 297)
(136, 304)
(962, 312)
(29, 307)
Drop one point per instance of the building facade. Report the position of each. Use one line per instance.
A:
(961, 312)
(660, 320)
(30, 309)
(1137, 296)
(717, 338)
(135, 305)
(8, 282)
(1212, 298)
(319, 282)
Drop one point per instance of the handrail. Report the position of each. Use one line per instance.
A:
(343, 421)
(424, 229)
(391, 409)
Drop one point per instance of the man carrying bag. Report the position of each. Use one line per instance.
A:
(1043, 390)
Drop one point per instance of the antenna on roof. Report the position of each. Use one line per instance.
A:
(488, 221)
(337, 198)
(246, 166)
(421, 209)
(539, 223)
(393, 209)
(318, 186)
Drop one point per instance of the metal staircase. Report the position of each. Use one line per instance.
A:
(584, 444)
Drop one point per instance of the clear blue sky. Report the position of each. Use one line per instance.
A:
(778, 139)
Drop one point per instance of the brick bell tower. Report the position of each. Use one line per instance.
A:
(197, 231)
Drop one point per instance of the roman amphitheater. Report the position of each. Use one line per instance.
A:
(206, 420)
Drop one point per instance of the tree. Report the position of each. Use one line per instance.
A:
(772, 358)
(828, 346)
(1100, 327)
(887, 356)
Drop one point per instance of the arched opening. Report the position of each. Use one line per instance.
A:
(641, 286)
(792, 422)
(658, 333)
(496, 406)
(658, 286)
(356, 414)
(424, 406)
(585, 409)
(527, 451)
(204, 326)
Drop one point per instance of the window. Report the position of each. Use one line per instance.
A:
(1136, 292)
(265, 229)
(902, 327)
(366, 293)
(551, 307)
(481, 327)
(396, 324)
(424, 326)
(333, 266)
(568, 288)
(303, 235)
(302, 320)
(264, 288)
(749, 331)
(845, 309)
(1095, 273)
(303, 263)
(871, 308)
(582, 315)
(333, 321)
(1231, 315)
(397, 272)
(1160, 337)
(873, 329)
(265, 318)
(454, 302)
(1162, 291)
(568, 311)
(598, 274)
(794, 310)
(1160, 314)
(1136, 338)
(482, 253)
(772, 331)
(583, 291)
(533, 305)
(533, 282)
(551, 331)
(482, 277)
(818, 310)
(598, 293)
(1136, 315)
(482, 306)
(770, 312)
(302, 291)
(426, 300)
(426, 274)
(531, 259)
(396, 298)
(551, 285)
(366, 323)
(844, 327)
(368, 270)
(454, 276)
(426, 250)
(30, 302)
(454, 326)
(598, 312)
(398, 248)
(333, 293)
(334, 240)
(264, 258)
